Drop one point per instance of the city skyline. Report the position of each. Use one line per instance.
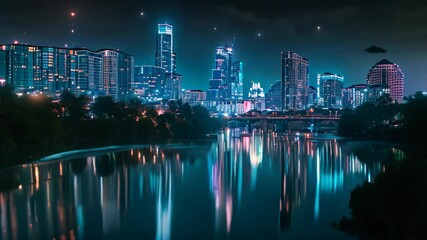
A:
(345, 57)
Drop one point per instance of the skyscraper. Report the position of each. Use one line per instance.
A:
(386, 74)
(237, 80)
(118, 74)
(90, 72)
(223, 63)
(330, 90)
(295, 77)
(274, 96)
(227, 76)
(165, 56)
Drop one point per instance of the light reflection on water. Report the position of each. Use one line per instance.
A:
(263, 186)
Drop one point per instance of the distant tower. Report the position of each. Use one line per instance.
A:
(389, 77)
(295, 77)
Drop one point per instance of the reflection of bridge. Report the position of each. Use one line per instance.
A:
(301, 121)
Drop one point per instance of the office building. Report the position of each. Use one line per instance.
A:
(295, 77)
(386, 75)
(330, 90)
(149, 82)
(237, 80)
(90, 79)
(118, 73)
(32, 69)
(354, 95)
(273, 97)
(194, 97)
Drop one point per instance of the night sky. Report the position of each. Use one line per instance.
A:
(262, 30)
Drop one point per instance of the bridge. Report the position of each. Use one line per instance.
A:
(286, 122)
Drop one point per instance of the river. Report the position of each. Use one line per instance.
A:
(261, 186)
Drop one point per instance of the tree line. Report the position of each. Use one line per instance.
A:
(387, 120)
(38, 122)
(393, 206)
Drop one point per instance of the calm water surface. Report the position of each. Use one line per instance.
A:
(258, 187)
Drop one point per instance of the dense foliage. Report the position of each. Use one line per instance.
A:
(387, 120)
(36, 121)
(393, 206)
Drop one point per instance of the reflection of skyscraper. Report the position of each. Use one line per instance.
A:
(295, 78)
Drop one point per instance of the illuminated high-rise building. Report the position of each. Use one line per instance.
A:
(387, 76)
(330, 90)
(172, 87)
(38, 69)
(274, 96)
(165, 56)
(118, 68)
(295, 78)
(148, 82)
(90, 79)
(227, 76)
(237, 80)
(354, 95)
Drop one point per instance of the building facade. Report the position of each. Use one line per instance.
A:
(90, 79)
(330, 90)
(165, 56)
(32, 69)
(386, 75)
(273, 98)
(295, 77)
(227, 76)
(355, 95)
(194, 97)
(118, 73)
(237, 80)
(149, 83)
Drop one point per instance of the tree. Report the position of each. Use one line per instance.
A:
(104, 107)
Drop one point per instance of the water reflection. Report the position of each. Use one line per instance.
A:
(262, 186)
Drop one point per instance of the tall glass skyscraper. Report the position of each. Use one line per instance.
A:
(295, 77)
(330, 87)
(227, 76)
(165, 56)
(237, 80)
(386, 74)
